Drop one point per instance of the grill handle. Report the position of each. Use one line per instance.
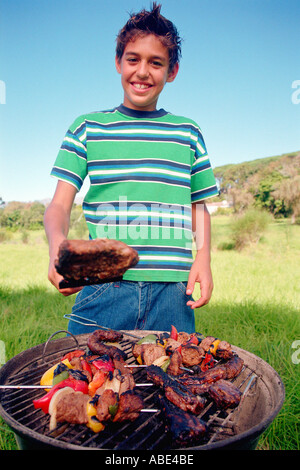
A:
(56, 333)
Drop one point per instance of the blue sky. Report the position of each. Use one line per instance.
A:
(240, 61)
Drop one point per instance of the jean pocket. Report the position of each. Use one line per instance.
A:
(182, 288)
(88, 294)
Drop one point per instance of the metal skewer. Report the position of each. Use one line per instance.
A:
(20, 387)
(25, 386)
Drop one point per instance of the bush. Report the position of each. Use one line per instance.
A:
(248, 228)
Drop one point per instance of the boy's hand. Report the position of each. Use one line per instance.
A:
(55, 279)
(200, 272)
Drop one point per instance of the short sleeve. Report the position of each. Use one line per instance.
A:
(203, 183)
(71, 162)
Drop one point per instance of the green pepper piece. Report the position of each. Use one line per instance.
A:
(113, 409)
(148, 339)
(60, 377)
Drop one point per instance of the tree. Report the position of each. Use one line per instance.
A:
(289, 193)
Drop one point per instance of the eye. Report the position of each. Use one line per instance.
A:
(156, 63)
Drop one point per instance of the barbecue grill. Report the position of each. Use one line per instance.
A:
(239, 428)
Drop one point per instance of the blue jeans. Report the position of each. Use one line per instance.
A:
(128, 305)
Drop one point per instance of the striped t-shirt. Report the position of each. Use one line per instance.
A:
(145, 169)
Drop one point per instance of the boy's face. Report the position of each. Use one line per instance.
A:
(144, 70)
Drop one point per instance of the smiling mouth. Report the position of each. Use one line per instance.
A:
(141, 86)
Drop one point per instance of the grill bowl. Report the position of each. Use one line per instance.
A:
(262, 388)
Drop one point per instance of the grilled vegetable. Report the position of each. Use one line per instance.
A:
(98, 380)
(174, 332)
(148, 339)
(77, 385)
(47, 377)
(93, 423)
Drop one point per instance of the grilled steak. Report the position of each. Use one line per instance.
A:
(184, 398)
(130, 405)
(233, 367)
(176, 392)
(225, 394)
(83, 262)
(185, 428)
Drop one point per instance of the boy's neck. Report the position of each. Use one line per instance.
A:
(138, 113)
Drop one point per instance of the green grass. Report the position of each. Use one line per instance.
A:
(255, 305)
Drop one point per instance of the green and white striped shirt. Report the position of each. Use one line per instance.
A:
(145, 171)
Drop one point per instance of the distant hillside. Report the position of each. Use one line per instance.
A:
(272, 183)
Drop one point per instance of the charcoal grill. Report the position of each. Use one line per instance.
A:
(240, 428)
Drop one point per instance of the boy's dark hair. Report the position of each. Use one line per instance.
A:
(151, 22)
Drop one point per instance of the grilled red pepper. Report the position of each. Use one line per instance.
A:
(76, 353)
(192, 340)
(207, 362)
(77, 385)
(86, 367)
(174, 333)
(105, 364)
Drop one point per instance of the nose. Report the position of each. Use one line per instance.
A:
(142, 70)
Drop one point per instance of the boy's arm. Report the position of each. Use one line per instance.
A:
(56, 223)
(201, 269)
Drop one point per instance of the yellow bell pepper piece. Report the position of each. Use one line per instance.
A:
(47, 377)
(93, 422)
(214, 347)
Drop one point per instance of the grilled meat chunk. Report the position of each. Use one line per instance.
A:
(233, 367)
(191, 354)
(171, 345)
(106, 402)
(72, 408)
(186, 429)
(224, 350)
(83, 262)
(96, 346)
(184, 398)
(207, 342)
(106, 335)
(151, 352)
(183, 337)
(127, 383)
(195, 385)
(175, 365)
(130, 405)
(176, 392)
(225, 394)
(156, 375)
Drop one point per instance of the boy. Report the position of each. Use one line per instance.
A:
(149, 174)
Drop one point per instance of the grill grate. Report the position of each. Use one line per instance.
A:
(145, 433)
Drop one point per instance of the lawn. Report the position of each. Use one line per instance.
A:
(255, 306)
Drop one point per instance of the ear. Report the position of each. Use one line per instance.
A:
(172, 75)
(118, 64)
